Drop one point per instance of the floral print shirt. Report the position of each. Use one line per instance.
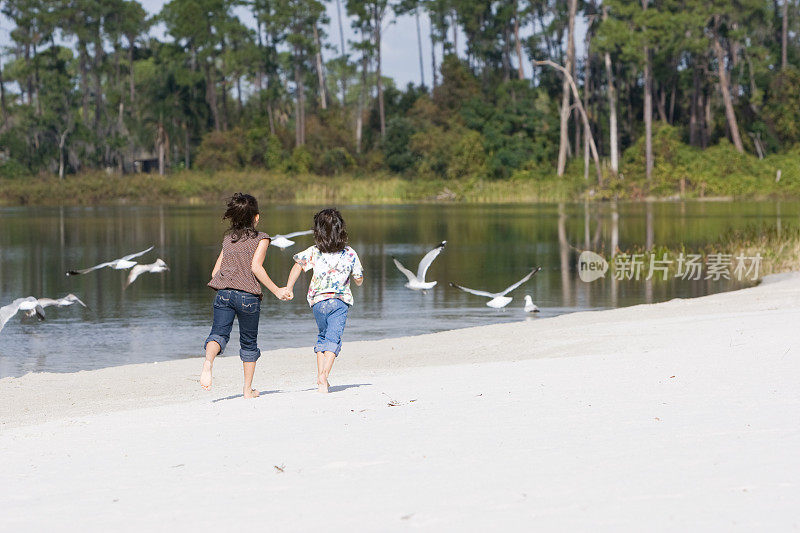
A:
(331, 273)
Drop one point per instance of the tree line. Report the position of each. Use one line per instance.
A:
(85, 85)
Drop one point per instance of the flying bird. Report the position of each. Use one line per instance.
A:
(416, 282)
(498, 299)
(119, 264)
(35, 306)
(283, 241)
(530, 307)
(153, 268)
(7, 311)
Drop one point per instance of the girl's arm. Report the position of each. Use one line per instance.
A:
(261, 275)
(293, 275)
(217, 265)
(358, 280)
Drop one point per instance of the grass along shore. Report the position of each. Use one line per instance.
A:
(717, 173)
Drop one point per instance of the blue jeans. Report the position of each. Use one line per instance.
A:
(230, 303)
(331, 316)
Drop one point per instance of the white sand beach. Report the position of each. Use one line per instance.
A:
(677, 416)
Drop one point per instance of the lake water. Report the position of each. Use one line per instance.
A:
(167, 316)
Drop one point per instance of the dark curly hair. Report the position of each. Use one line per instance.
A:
(241, 211)
(330, 232)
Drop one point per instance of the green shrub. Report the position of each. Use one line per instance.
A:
(300, 162)
(397, 152)
(11, 169)
(335, 161)
(220, 150)
(273, 155)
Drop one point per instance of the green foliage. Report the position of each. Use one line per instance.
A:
(12, 170)
(336, 161)
(300, 162)
(399, 157)
(273, 154)
(218, 94)
(222, 150)
(783, 106)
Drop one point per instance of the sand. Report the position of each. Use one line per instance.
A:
(667, 417)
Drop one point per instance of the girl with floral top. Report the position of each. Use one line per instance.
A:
(329, 293)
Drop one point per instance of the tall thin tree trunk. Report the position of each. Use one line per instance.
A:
(576, 96)
(186, 146)
(648, 110)
(299, 116)
(785, 35)
(62, 140)
(378, 70)
(131, 81)
(84, 75)
(612, 116)
(419, 47)
(343, 52)
(454, 18)
(224, 96)
(362, 97)
(586, 87)
(211, 95)
(506, 54)
(661, 104)
(435, 80)
(3, 107)
(565, 96)
(161, 147)
(323, 93)
(694, 109)
(518, 43)
(724, 86)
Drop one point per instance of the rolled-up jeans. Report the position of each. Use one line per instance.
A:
(331, 316)
(246, 307)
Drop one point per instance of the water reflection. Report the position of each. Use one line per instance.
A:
(167, 316)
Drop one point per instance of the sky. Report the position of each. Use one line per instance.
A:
(400, 50)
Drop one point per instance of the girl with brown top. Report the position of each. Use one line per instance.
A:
(235, 277)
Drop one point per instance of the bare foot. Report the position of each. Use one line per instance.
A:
(205, 375)
(322, 385)
(253, 393)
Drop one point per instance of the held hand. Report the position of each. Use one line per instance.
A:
(284, 294)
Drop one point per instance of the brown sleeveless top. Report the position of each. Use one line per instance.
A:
(236, 271)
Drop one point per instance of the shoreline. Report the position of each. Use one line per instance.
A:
(381, 188)
(666, 417)
(531, 338)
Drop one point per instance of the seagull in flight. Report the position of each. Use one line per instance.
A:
(498, 299)
(7, 311)
(153, 268)
(118, 264)
(37, 307)
(34, 306)
(416, 282)
(283, 241)
(530, 307)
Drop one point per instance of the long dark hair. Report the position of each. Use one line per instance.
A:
(241, 211)
(330, 232)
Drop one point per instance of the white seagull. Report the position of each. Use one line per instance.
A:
(119, 264)
(34, 306)
(37, 306)
(417, 282)
(498, 299)
(283, 241)
(530, 307)
(7, 311)
(153, 268)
